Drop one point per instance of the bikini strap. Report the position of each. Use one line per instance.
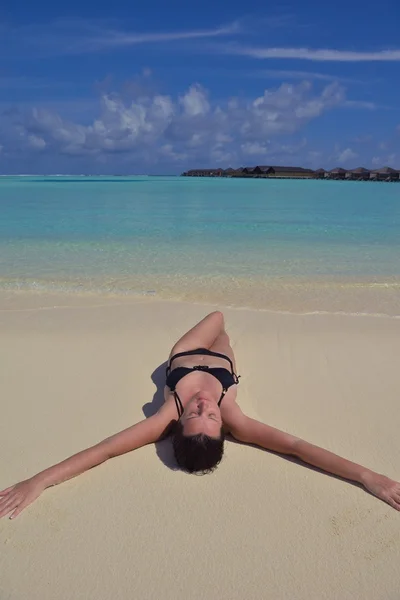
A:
(200, 351)
(178, 404)
(224, 390)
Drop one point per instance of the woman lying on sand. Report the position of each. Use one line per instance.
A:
(199, 410)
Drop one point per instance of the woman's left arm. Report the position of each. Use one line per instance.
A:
(381, 486)
(251, 431)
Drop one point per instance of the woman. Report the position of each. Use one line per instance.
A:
(199, 410)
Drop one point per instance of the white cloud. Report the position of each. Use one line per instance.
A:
(389, 160)
(196, 140)
(315, 158)
(195, 101)
(319, 55)
(303, 75)
(80, 36)
(360, 104)
(223, 138)
(119, 38)
(221, 156)
(189, 128)
(168, 152)
(253, 149)
(346, 155)
(36, 142)
(285, 109)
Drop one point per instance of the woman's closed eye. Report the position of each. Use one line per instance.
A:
(194, 415)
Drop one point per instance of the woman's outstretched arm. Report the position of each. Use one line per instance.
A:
(251, 431)
(19, 496)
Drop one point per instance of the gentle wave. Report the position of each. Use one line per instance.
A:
(306, 298)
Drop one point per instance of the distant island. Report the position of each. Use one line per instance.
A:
(278, 172)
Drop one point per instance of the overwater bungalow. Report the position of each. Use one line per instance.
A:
(385, 174)
(228, 172)
(359, 174)
(291, 172)
(252, 171)
(204, 173)
(282, 172)
(337, 173)
(278, 171)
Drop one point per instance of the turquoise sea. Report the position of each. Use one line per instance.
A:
(283, 245)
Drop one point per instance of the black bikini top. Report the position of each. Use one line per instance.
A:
(225, 377)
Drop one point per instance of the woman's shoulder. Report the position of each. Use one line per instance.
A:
(232, 415)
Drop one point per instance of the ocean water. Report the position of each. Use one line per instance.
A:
(282, 245)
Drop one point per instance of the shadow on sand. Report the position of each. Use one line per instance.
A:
(163, 447)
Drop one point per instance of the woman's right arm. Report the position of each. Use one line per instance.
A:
(19, 496)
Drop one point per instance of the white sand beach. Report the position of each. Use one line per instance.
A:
(75, 370)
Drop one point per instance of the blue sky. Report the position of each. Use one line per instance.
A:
(163, 87)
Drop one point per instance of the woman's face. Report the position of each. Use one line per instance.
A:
(202, 415)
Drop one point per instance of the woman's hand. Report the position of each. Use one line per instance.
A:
(19, 496)
(384, 488)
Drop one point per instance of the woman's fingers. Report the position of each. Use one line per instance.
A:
(10, 505)
(4, 492)
(23, 494)
(394, 496)
(6, 501)
(20, 508)
(393, 502)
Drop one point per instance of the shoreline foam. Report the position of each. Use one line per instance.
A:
(329, 296)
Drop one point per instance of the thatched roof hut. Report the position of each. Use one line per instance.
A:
(204, 173)
(385, 174)
(385, 170)
(294, 172)
(337, 173)
(282, 171)
(265, 169)
(359, 174)
(229, 172)
(252, 170)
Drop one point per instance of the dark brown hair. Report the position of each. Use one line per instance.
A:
(199, 454)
